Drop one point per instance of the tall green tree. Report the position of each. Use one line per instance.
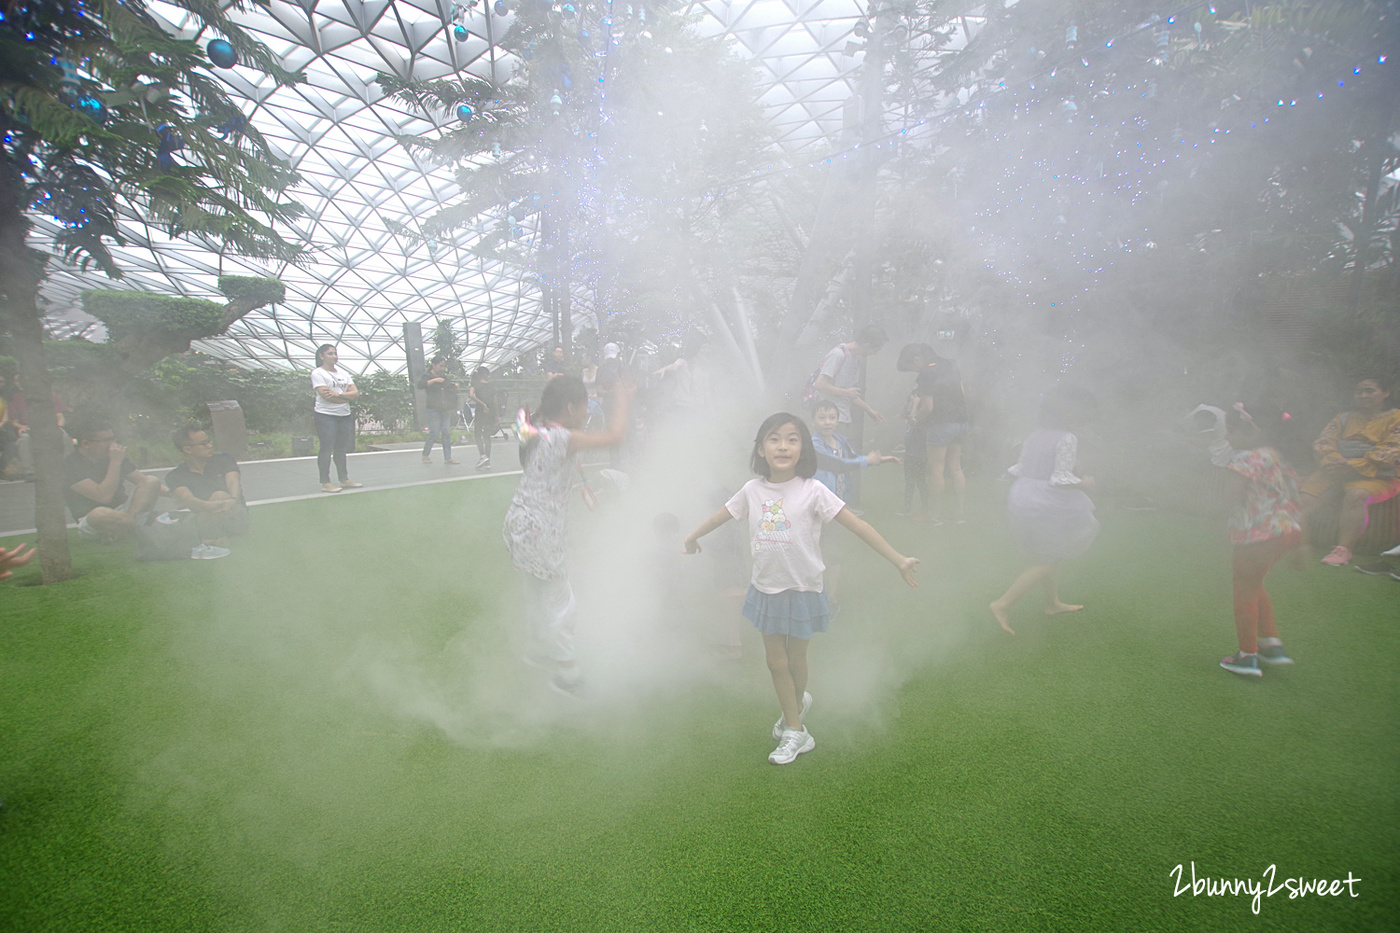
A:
(102, 111)
(606, 166)
(1122, 166)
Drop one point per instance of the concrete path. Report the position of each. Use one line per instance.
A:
(268, 481)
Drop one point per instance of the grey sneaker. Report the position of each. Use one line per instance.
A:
(208, 552)
(781, 725)
(794, 743)
(1274, 654)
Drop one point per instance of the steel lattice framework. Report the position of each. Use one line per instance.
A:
(363, 192)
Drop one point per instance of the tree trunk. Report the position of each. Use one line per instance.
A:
(21, 270)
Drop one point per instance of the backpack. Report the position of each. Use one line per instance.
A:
(166, 536)
(810, 395)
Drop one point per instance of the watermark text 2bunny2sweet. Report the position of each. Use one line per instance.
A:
(1266, 885)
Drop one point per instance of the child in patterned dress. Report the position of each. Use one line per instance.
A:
(1265, 525)
(535, 525)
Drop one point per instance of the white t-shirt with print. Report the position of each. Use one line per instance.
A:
(337, 382)
(785, 531)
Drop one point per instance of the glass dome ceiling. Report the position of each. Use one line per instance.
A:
(368, 276)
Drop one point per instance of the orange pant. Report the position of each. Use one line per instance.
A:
(1254, 613)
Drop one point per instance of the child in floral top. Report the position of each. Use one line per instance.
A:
(1266, 524)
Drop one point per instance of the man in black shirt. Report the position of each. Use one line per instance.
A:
(554, 365)
(95, 478)
(209, 485)
(441, 404)
(486, 408)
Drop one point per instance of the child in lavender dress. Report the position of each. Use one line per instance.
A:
(1051, 517)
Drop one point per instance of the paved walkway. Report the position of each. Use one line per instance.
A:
(268, 481)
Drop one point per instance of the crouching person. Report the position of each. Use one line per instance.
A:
(209, 485)
(96, 475)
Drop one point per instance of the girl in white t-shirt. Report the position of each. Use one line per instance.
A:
(786, 601)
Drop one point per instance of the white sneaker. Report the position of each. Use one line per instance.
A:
(1393, 552)
(793, 744)
(208, 552)
(780, 726)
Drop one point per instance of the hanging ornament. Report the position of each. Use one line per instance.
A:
(501, 7)
(496, 150)
(465, 112)
(585, 40)
(568, 11)
(528, 52)
(862, 29)
(92, 107)
(461, 33)
(1071, 36)
(566, 76)
(221, 53)
(68, 82)
(170, 142)
(556, 102)
(230, 128)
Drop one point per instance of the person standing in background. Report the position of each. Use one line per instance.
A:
(485, 411)
(335, 423)
(842, 380)
(16, 452)
(441, 404)
(943, 415)
(554, 366)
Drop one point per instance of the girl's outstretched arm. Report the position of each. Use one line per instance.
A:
(692, 542)
(863, 530)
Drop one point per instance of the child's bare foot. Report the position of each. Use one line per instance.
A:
(999, 613)
(1058, 608)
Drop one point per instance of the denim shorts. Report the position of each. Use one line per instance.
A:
(945, 433)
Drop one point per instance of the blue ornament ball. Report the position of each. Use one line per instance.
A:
(93, 108)
(568, 11)
(221, 53)
(460, 33)
(501, 8)
(465, 112)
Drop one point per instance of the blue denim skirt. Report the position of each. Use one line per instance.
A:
(791, 612)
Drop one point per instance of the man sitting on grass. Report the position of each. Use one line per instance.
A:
(209, 485)
(96, 474)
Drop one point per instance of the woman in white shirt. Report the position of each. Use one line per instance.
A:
(335, 425)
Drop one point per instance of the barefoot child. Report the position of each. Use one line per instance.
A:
(785, 510)
(535, 525)
(1051, 517)
(1265, 525)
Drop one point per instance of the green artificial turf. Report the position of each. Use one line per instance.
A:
(331, 730)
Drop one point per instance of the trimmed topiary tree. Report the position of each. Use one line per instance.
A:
(146, 327)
